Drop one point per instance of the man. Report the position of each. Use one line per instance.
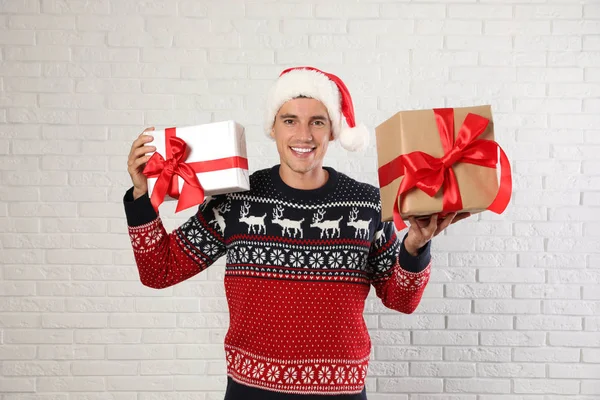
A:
(302, 248)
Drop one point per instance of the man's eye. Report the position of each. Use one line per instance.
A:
(320, 123)
(288, 121)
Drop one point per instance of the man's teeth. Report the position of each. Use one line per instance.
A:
(301, 149)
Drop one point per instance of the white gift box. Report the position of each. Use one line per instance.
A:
(209, 143)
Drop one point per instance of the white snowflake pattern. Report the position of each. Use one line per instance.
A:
(273, 373)
(324, 374)
(308, 374)
(258, 255)
(336, 259)
(237, 361)
(290, 374)
(277, 257)
(153, 237)
(316, 260)
(419, 281)
(229, 358)
(194, 235)
(340, 375)
(243, 255)
(135, 240)
(363, 371)
(403, 280)
(297, 259)
(232, 256)
(211, 249)
(353, 375)
(258, 370)
(353, 260)
(246, 366)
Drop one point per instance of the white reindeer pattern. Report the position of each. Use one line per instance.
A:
(253, 222)
(379, 237)
(361, 226)
(219, 220)
(287, 225)
(326, 226)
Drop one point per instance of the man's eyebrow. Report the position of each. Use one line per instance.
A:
(288, 116)
(314, 117)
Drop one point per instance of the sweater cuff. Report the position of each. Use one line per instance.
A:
(416, 263)
(139, 211)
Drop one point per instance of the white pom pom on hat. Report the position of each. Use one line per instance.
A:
(328, 89)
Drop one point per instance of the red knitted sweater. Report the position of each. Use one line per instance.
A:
(299, 266)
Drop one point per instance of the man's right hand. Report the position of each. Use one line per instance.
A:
(137, 161)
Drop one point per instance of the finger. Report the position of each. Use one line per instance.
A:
(414, 222)
(147, 130)
(445, 223)
(138, 163)
(139, 142)
(433, 223)
(461, 216)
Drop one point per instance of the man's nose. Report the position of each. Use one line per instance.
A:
(304, 132)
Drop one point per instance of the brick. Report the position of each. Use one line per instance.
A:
(17, 38)
(340, 42)
(411, 11)
(76, 70)
(574, 276)
(19, 193)
(79, 321)
(513, 339)
(314, 26)
(328, 10)
(73, 163)
(478, 43)
(98, 54)
(9, 69)
(573, 371)
(571, 244)
(546, 354)
(548, 229)
(591, 293)
(93, 85)
(86, 257)
(515, 59)
(410, 385)
(44, 147)
(37, 85)
(415, 322)
(509, 244)
(557, 167)
(442, 369)
(480, 322)
(517, 27)
(380, 27)
(507, 306)
(19, 225)
(547, 198)
(548, 43)
(482, 74)
(514, 275)
(481, 260)
(512, 370)
(453, 275)
(575, 153)
(590, 387)
(591, 356)
(591, 199)
(478, 385)
(560, 291)
(289, 57)
(478, 354)
(70, 384)
(175, 336)
(57, 38)
(75, 7)
(142, 321)
(41, 22)
(445, 338)
(571, 183)
(591, 43)
(477, 290)
(37, 115)
(31, 305)
(546, 386)
(550, 12)
(17, 288)
(571, 307)
(479, 11)
(190, 8)
(433, 42)
(256, 26)
(8, 352)
(99, 305)
(32, 336)
(130, 23)
(573, 59)
(546, 74)
(19, 385)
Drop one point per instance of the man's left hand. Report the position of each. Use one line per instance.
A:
(422, 230)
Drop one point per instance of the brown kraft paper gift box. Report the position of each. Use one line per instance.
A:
(409, 131)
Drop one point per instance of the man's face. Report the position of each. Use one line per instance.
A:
(302, 131)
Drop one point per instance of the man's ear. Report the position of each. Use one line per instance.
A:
(273, 132)
(331, 137)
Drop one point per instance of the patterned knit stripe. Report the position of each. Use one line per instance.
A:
(305, 243)
(348, 277)
(341, 204)
(320, 376)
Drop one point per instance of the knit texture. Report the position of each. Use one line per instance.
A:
(299, 266)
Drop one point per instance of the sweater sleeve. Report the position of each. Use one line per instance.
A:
(399, 278)
(165, 259)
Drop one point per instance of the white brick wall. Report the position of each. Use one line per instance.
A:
(513, 308)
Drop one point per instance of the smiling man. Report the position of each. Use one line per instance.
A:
(303, 247)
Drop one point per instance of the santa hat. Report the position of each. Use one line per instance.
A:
(328, 89)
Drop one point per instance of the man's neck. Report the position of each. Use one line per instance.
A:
(310, 180)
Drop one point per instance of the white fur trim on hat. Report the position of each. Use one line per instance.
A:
(307, 83)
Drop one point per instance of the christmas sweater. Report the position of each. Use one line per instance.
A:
(299, 266)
